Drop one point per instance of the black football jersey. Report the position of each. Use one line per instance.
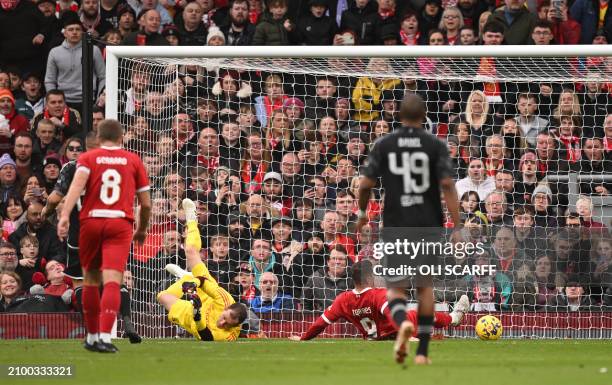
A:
(61, 186)
(411, 163)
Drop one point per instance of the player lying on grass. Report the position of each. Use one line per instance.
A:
(367, 309)
(196, 302)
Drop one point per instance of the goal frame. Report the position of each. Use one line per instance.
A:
(114, 53)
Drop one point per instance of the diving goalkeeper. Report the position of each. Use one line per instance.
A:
(196, 302)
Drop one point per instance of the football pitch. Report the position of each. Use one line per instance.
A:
(319, 362)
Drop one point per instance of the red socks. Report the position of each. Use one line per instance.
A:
(109, 306)
(442, 319)
(91, 308)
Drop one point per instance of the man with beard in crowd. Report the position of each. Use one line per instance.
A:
(238, 30)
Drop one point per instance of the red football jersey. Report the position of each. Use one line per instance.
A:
(115, 176)
(366, 310)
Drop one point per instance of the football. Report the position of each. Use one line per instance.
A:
(489, 327)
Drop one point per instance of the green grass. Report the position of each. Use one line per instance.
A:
(319, 362)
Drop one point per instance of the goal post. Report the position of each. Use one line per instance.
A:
(293, 126)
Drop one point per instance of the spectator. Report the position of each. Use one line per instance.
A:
(479, 115)
(272, 192)
(72, 148)
(574, 298)
(56, 284)
(596, 104)
(541, 200)
(542, 33)
(255, 163)
(492, 32)
(62, 73)
(333, 236)
(8, 177)
(324, 103)
(430, 16)
(45, 142)
(171, 33)
(530, 123)
(274, 27)
(477, 180)
(504, 181)
(10, 121)
(514, 140)
(231, 91)
(584, 207)
(469, 203)
(368, 91)
(239, 30)
(149, 31)
(49, 245)
(191, 28)
(409, 30)
(67, 121)
(591, 15)
(244, 288)
(126, 19)
(549, 158)
(497, 210)
(565, 29)
(568, 135)
(273, 99)
(262, 260)
(451, 24)
(218, 261)
(145, 5)
(13, 214)
(592, 162)
(315, 28)
(33, 189)
(508, 257)
(471, 11)
(90, 15)
(468, 146)
(10, 287)
(32, 101)
(258, 217)
(530, 239)
(269, 299)
(24, 163)
(361, 17)
(467, 36)
(546, 297)
(517, 21)
(495, 152)
(29, 261)
(326, 283)
(22, 33)
(8, 258)
(51, 168)
(488, 293)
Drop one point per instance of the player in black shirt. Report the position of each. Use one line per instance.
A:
(415, 167)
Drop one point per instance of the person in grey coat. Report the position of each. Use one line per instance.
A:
(326, 283)
(64, 69)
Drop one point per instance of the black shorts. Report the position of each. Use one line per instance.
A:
(73, 264)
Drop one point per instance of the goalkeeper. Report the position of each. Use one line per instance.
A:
(196, 302)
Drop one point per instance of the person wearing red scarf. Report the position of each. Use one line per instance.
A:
(409, 30)
(66, 120)
(10, 121)
(89, 15)
(569, 141)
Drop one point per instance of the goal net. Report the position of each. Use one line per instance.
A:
(271, 142)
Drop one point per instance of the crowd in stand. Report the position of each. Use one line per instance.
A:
(273, 159)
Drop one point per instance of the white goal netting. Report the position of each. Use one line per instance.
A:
(271, 149)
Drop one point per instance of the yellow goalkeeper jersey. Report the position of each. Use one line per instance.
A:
(214, 300)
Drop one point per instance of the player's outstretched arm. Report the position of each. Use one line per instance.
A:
(314, 330)
(76, 188)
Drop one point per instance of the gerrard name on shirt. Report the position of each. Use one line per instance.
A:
(111, 160)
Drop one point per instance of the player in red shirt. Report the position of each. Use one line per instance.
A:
(110, 177)
(366, 308)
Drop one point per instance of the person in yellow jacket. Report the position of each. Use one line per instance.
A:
(368, 91)
(196, 302)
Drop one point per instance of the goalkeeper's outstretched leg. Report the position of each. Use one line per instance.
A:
(196, 302)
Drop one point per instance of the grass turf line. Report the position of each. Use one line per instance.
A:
(319, 362)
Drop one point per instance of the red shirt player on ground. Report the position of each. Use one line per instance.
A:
(366, 308)
(110, 177)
